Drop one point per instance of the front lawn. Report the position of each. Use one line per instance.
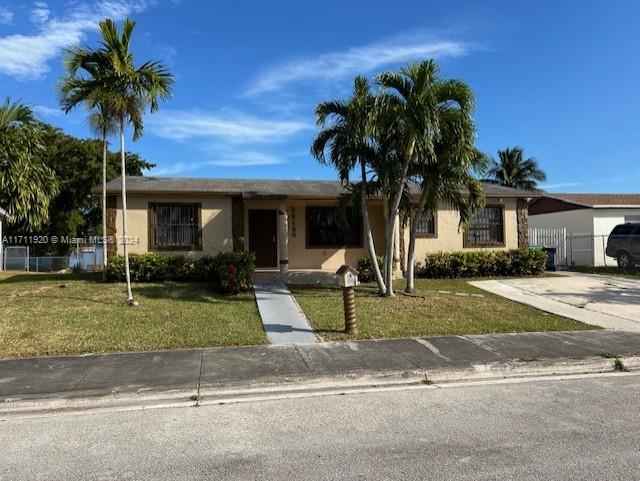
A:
(46, 314)
(608, 271)
(434, 314)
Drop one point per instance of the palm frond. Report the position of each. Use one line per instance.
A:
(513, 170)
(12, 113)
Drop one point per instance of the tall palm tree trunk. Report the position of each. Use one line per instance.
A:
(104, 205)
(125, 243)
(367, 232)
(391, 221)
(411, 250)
(388, 255)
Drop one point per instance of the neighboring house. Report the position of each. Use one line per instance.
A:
(3, 214)
(290, 224)
(588, 218)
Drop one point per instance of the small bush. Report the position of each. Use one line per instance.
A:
(230, 273)
(365, 268)
(234, 271)
(516, 263)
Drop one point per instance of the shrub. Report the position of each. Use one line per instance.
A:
(516, 263)
(230, 273)
(365, 268)
(234, 271)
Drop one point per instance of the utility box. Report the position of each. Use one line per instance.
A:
(347, 276)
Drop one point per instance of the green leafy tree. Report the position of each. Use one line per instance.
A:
(513, 170)
(110, 78)
(78, 167)
(27, 184)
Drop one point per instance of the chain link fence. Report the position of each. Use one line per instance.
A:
(573, 249)
(18, 258)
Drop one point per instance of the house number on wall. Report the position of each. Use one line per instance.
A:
(293, 221)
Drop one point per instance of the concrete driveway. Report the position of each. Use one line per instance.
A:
(607, 301)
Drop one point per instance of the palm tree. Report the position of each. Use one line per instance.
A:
(453, 169)
(91, 90)
(27, 184)
(514, 171)
(344, 132)
(410, 99)
(104, 124)
(116, 86)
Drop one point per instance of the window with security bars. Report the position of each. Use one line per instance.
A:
(486, 229)
(426, 224)
(325, 228)
(175, 227)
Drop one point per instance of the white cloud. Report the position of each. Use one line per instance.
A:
(47, 111)
(356, 60)
(245, 159)
(560, 184)
(40, 13)
(227, 126)
(174, 169)
(226, 157)
(27, 56)
(6, 16)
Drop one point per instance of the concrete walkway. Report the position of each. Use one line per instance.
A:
(207, 371)
(283, 320)
(606, 301)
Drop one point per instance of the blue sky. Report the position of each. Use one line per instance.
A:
(561, 79)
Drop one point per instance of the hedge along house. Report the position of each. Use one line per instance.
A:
(291, 224)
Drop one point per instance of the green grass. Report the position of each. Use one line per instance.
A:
(608, 271)
(434, 314)
(47, 314)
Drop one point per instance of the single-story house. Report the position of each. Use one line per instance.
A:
(3, 214)
(588, 220)
(290, 224)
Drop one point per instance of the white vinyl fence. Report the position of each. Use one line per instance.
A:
(572, 248)
(553, 238)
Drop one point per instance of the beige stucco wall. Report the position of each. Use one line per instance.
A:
(450, 237)
(216, 223)
(301, 257)
(216, 229)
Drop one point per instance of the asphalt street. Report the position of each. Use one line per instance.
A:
(578, 429)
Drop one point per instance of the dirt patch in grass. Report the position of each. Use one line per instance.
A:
(442, 307)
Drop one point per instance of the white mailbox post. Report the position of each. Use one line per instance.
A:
(347, 276)
(348, 280)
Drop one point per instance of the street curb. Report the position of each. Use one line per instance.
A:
(542, 367)
(273, 388)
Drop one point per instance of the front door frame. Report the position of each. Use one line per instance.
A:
(277, 227)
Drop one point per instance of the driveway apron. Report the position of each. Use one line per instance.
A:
(606, 301)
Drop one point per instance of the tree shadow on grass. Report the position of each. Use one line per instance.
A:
(53, 277)
(364, 290)
(192, 292)
(331, 331)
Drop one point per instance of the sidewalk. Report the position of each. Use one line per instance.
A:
(199, 372)
(283, 320)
